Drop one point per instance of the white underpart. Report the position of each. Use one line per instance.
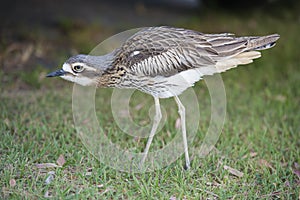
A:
(68, 78)
(84, 81)
(79, 80)
(179, 82)
(185, 79)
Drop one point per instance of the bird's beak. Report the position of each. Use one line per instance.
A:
(56, 73)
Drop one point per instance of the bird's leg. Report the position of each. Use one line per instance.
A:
(156, 121)
(181, 111)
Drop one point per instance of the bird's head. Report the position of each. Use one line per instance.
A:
(82, 69)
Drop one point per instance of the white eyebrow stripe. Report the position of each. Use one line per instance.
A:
(84, 65)
(90, 68)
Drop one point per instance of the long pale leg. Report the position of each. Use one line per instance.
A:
(156, 121)
(181, 111)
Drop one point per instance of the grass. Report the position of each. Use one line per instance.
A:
(260, 136)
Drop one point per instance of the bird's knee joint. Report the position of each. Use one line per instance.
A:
(181, 110)
(158, 117)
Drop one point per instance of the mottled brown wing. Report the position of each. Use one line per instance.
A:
(166, 51)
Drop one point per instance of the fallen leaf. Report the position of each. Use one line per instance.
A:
(88, 173)
(12, 182)
(281, 98)
(178, 123)
(139, 106)
(61, 160)
(46, 195)
(5, 192)
(209, 183)
(144, 122)
(7, 122)
(296, 170)
(287, 183)
(107, 190)
(264, 163)
(233, 171)
(172, 198)
(209, 192)
(46, 165)
(275, 193)
(251, 155)
(27, 53)
(285, 164)
(297, 173)
(168, 133)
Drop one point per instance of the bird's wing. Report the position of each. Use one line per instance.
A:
(166, 51)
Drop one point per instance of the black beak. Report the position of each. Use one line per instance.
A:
(56, 73)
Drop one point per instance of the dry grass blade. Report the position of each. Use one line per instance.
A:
(264, 163)
(46, 165)
(61, 160)
(233, 171)
(12, 182)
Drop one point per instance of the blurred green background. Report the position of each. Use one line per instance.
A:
(261, 132)
(38, 35)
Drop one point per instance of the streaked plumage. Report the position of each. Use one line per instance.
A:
(165, 61)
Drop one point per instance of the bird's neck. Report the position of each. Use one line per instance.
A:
(103, 62)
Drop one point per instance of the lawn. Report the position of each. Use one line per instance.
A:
(256, 157)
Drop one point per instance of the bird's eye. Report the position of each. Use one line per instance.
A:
(77, 68)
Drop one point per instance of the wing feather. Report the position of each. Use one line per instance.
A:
(166, 51)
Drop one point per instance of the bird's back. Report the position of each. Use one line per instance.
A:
(166, 51)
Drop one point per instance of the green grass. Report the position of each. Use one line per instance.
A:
(262, 120)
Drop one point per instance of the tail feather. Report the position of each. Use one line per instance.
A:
(262, 43)
(253, 45)
(240, 59)
(232, 46)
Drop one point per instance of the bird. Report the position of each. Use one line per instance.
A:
(164, 61)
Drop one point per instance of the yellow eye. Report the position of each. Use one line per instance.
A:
(78, 68)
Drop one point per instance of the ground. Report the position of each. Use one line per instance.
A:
(256, 156)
